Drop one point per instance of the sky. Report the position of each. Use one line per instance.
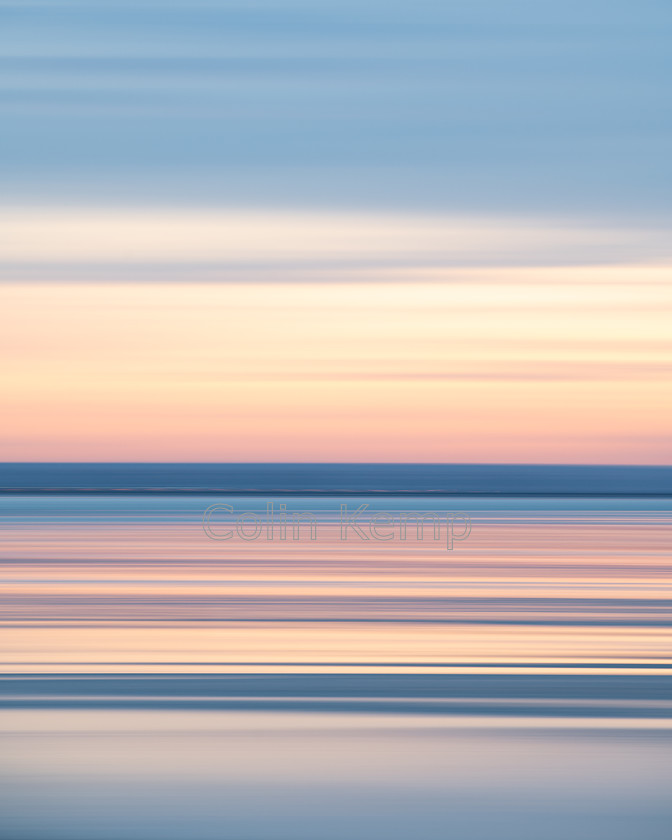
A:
(296, 231)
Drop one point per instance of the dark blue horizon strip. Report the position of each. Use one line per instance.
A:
(335, 479)
(538, 695)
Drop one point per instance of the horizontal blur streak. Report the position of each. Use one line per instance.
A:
(486, 105)
(127, 234)
(281, 230)
(111, 583)
(546, 365)
(331, 774)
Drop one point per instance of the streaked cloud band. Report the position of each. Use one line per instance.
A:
(115, 236)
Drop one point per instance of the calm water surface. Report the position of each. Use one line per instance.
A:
(160, 684)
